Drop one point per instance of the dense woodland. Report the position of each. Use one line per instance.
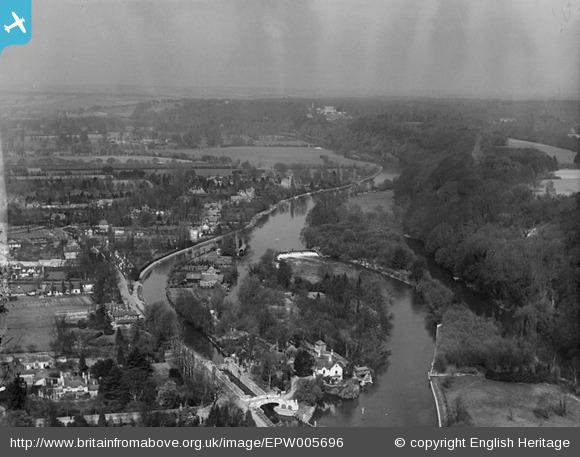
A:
(345, 232)
(480, 219)
(350, 315)
(471, 201)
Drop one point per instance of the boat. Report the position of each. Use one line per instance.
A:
(363, 375)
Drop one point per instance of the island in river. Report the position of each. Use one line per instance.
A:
(399, 395)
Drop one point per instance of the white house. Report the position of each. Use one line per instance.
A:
(76, 386)
(328, 366)
(327, 363)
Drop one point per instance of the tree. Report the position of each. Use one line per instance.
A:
(102, 422)
(309, 392)
(100, 320)
(228, 246)
(119, 338)
(136, 373)
(64, 337)
(16, 394)
(228, 415)
(284, 274)
(168, 396)
(19, 419)
(303, 363)
(112, 387)
(161, 321)
(195, 312)
(105, 289)
(83, 368)
(78, 421)
(120, 356)
(51, 416)
(418, 269)
(102, 368)
(401, 258)
(249, 420)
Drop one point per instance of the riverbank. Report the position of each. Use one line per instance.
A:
(399, 395)
(485, 403)
(146, 270)
(468, 398)
(438, 396)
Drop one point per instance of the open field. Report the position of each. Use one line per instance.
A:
(502, 404)
(30, 320)
(268, 156)
(48, 102)
(314, 269)
(564, 156)
(371, 200)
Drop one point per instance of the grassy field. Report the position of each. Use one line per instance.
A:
(564, 156)
(313, 270)
(44, 102)
(371, 200)
(502, 404)
(268, 156)
(30, 320)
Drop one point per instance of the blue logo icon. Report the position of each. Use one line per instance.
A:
(15, 22)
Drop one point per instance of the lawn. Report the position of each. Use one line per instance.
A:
(30, 320)
(370, 200)
(268, 156)
(564, 156)
(502, 404)
(313, 270)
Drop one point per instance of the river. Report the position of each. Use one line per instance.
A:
(400, 395)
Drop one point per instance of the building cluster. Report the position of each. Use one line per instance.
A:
(42, 279)
(122, 315)
(206, 271)
(48, 377)
(327, 363)
(244, 195)
(328, 112)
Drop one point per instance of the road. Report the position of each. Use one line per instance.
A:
(130, 299)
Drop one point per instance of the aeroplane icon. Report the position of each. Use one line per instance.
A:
(18, 22)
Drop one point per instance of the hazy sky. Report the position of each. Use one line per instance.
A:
(511, 48)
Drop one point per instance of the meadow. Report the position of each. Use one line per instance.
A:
(564, 156)
(369, 201)
(30, 320)
(506, 404)
(268, 156)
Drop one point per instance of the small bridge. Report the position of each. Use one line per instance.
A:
(285, 403)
